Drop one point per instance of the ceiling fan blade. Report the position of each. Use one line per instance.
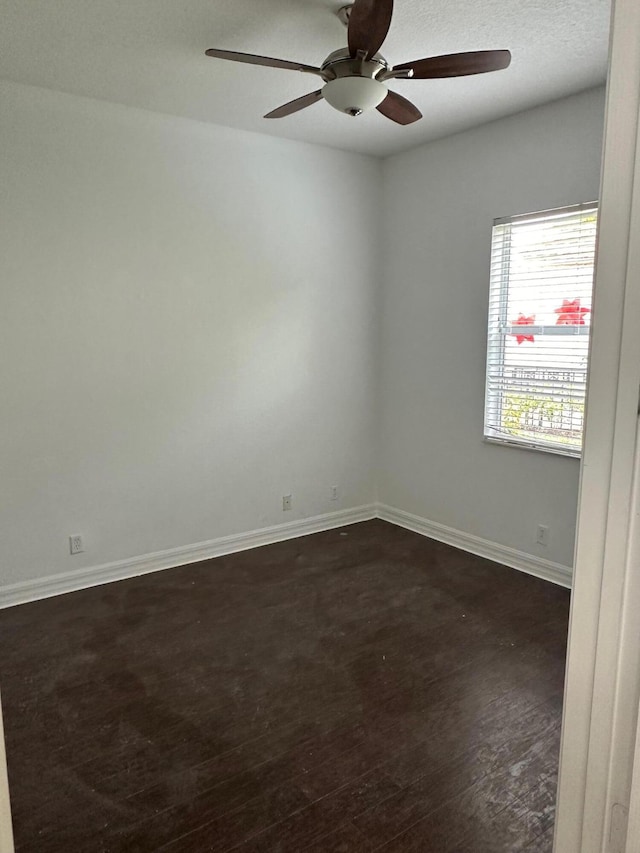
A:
(399, 109)
(253, 59)
(369, 24)
(457, 64)
(294, 106)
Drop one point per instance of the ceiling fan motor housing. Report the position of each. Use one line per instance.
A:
(351, 83)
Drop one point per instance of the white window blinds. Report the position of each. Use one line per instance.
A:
(539, 321)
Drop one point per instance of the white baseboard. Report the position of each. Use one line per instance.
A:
(541, 568)
(20, 593)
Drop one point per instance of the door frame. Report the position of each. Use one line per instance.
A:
(6, 831)
(602, 685)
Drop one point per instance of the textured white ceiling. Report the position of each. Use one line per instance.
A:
(150, 54)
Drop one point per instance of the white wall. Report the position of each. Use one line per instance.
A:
(440, 200)
(186, 330)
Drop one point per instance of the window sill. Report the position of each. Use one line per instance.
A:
(522, 445)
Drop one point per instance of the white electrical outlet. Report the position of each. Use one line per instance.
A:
(334, 493)
(75, 545)
(287, 502)
(542, 534)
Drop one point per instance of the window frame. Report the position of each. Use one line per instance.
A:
(492, 434)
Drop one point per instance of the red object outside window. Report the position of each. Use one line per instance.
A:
(524, 321)
(570, 313)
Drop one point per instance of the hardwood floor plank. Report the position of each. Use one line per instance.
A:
(306, 826)
(542, 844)
(345, 839)
(445, 829)
(507, 750)
(486, 816)
(335, 689)
(177, 828)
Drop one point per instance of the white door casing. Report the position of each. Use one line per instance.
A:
(6, 834)
(602, 687)
(633, 834)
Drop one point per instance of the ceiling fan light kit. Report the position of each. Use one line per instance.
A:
(354, 95)
(354, 77)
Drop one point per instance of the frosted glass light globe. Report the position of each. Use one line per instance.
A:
(354, 95)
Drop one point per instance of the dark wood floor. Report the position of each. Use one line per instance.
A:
(356, 690)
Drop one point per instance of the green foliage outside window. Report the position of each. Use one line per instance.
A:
(526, 415)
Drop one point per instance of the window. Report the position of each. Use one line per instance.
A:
(539, 323)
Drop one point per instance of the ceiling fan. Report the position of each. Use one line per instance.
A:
(354, 77)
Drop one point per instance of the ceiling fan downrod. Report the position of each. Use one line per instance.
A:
(344, 13)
